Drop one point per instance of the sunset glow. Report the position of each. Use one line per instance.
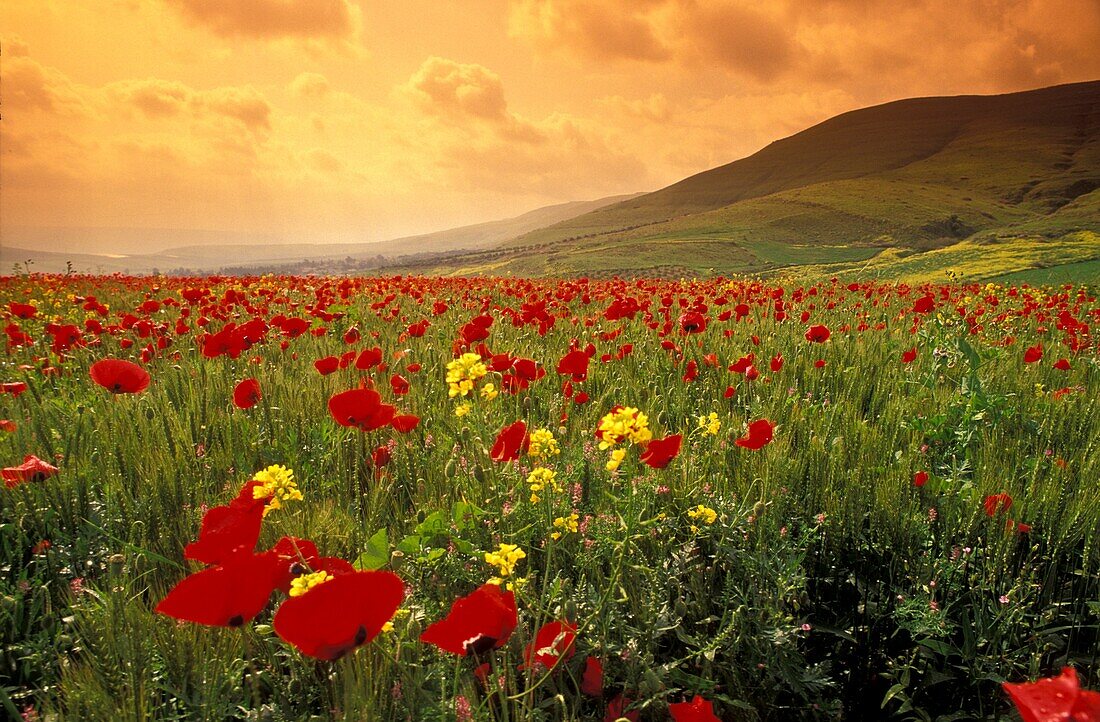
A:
(339, 120)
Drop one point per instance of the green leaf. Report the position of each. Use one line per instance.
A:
(376, 554)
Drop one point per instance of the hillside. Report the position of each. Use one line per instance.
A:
(909, 176)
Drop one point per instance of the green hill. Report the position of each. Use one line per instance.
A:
(916, 176)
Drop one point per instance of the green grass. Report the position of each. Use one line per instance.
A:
(822, 527)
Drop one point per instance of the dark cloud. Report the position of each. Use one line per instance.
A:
(267, 19)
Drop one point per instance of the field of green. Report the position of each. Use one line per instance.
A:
(821, 497)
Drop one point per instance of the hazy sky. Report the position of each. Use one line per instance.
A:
(367, 119)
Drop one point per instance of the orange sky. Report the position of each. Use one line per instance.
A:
(347, 120)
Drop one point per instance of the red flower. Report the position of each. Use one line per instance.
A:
(616, 709)
(405, 423)
(1055, 699)
(574, 364)
(920, 478)
(592, 679)
(369, 358)
(511, 440)
(909, 356)
(13, 387)
(819, 364)
(818, 334)
(659, 452)
(1062, 364)
(1033, 354)
(32, 469)
(360, 408)
(119, 377)
(758, 435)
(327, 365)
(777, 362)
(553, 643)
(996, 503)
(399, 385)
(224, 596)
(924, 304)
(246, 394)
(7, 425)
(692, 322)
(381, 456)
(341, 614)
(478, 622)
(22, 310)
(230, 530)
(697, 710)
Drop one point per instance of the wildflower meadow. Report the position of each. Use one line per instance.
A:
(407, 498)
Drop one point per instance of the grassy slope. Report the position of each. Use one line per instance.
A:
(893, 176)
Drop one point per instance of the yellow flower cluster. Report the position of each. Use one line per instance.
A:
(566, 525)
(710, 424)
(462, 409)
(623, 424)
(539, 479)
(505, 560)
(703, 514)
(276, 482)
(304, 582)
(543, 444)
(489, 392)
(462, 373)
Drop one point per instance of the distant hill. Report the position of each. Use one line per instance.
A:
(204, 252)
(908, 177)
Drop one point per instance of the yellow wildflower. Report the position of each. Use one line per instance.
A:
(624, 424)
(704, 514)
(276, 482)
(617, 457)
(505, 560)
(543, 444)
(489, 392)
(710, 424)
(539, 479)
(567, 525)
(463, 372)
(462, 409)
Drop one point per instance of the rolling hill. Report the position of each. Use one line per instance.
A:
(1011, 179)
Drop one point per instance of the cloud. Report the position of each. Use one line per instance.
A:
(161, 99)
(445, 87)
(273, 19)
(878, 46)
(310, 85)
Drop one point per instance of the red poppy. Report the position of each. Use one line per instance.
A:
(1055, 699)
(360, 408)
(995, 503)
(32, 469)
(22, 310)
(691, 371)
(553, 643)
(692, 322)
(660, 452)
(246, 394)
(742, 364)
(920, 478)
(1062, 364)
(224, 596)
(819, 364)
(405, 423)
(697, 710)
(575, 365)
(7, 425)
(13, 387)
(924, 304)
(381, 456)
(511, 440)
(119, 377)
(399, 385)
(592, 679)
(341, 614)
(818, 334)
(1033, 354)
(327, 365)
(369, 358)
(908, 357)
(616, 709)
(229, 530)
(758, 435)
(478, 622)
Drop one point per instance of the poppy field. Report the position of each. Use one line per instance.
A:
(406, 498)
